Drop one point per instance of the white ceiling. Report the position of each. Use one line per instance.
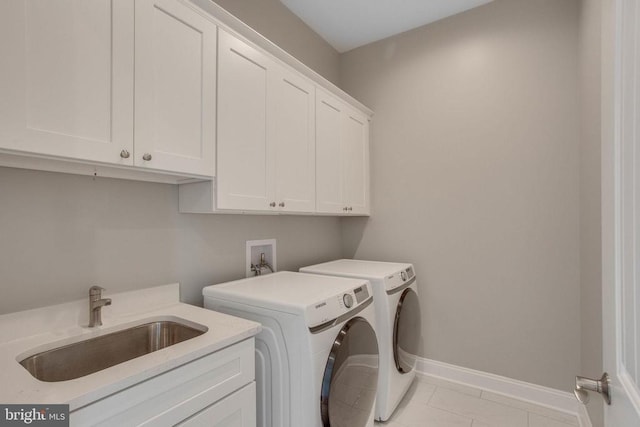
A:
(347, 24)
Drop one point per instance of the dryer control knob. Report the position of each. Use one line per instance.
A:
(348, 300)
(403, 276)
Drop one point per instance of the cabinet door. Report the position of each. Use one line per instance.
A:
(291, 135)
(236, 410)
(355, 164)
(329, 186)
(175, 77)
(67, 78)
(177, 394)
(245, 175)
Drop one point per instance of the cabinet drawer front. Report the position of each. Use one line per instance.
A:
(174, 395)
(237, 410)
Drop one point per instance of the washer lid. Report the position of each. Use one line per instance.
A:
(391, 274)
(318, 298)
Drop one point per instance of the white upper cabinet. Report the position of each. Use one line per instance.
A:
(74, 69)
(177, 91)
(342, 157)
(293, 141)
(330, 190)
(265, 138)
(67, 78)
(244, 174)
(355, 162)
(175, 77)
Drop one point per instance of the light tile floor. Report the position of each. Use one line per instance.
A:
(431, 402)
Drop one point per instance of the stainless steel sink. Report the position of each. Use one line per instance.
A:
(86, 357)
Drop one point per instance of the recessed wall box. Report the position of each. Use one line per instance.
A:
(261, 257)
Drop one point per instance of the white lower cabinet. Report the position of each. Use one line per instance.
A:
(217, 389)
(237, 410)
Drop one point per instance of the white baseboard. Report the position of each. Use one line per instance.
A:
(532, 393)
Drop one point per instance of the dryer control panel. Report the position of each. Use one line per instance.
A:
(399, 278)
(332, 309)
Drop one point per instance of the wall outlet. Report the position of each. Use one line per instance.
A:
(256, 251)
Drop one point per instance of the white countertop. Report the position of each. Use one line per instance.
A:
(25, 333)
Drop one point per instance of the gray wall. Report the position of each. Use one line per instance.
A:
(475, 160)
(590, 219)
(277, 23)
(476, 179)
(62, 233)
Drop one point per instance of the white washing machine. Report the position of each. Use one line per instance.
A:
(398, 322)
(317, 354)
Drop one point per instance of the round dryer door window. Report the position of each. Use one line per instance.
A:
(350, 377)
(406, 331)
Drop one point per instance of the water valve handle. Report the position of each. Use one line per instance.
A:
(585, 385)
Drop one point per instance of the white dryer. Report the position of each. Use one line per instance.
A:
(317, 353)
(398, 322)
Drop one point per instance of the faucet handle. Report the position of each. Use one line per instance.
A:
(95, 290)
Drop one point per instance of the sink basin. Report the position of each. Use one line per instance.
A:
(86, 357)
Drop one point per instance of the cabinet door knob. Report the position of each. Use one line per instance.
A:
(350, 209)
(584, 385)
(272, 204)
(124, 154)
(345, 208)
(146, 157)
(281, 204)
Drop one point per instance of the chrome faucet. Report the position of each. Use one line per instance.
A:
(257, 268)
(96, 302)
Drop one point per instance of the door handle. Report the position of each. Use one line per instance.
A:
(585, 385)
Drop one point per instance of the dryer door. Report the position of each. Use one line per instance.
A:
(406, 331)
(350, 377)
